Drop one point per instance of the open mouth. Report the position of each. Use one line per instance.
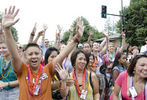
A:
(34, 62)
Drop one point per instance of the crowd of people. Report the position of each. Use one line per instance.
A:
(72, 71)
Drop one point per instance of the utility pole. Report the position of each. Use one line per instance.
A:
(121, 15)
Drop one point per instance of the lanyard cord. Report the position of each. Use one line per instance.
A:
(131, 85)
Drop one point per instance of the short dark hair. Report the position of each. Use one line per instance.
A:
(74, 56)
(48, 53)
(133, 64)
(31, 45)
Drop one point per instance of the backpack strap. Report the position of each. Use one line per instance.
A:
(91, 81)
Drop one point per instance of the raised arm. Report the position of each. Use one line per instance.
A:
(32, 34)
(70, 45)
(7, 22)
(58, 32)
(123, 42)
(43, 36)
(90, 35)
(105, 47)
(41, 33)
(71, 32)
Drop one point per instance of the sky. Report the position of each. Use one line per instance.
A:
(62, 12)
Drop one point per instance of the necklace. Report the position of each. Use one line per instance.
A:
(111, 59)
(133, 91)
(34, 84)
(9, 64)
(82, 94)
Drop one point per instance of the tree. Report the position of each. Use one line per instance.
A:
(86, 32)
(13, 30)
(137, 26)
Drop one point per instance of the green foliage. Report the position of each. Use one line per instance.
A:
(137, 27)
(95, 36)
(14, 33)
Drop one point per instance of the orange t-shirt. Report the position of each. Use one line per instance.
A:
(22, 77)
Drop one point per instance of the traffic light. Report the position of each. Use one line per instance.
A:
(126, 19)
(104, 11)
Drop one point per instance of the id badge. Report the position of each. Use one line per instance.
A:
(83, 94)
(37, 90)
(133, 92)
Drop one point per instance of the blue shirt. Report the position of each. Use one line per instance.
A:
(120, 68)
(11, 75)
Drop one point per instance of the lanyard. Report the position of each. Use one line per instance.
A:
(100, 60)
(110, 59)
(76, 82)
(131, 85)
(32, 87)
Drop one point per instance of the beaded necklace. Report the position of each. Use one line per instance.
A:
(33, 87)
(84, 80)
(9, 64)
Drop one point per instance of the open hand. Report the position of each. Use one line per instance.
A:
(8, 17)
(91, 32)
(41, 33)
(105, 33)
(71, 28)
(59, 28)
(62, 72)
(79, 27)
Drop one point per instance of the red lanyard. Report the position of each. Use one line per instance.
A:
(76, 82)
(33, 86)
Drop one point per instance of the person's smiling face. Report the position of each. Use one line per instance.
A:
(141, 67)
(81, 61)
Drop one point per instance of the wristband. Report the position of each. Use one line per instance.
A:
(8, 84)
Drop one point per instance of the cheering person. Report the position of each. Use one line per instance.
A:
(34, 80)
(86, 86)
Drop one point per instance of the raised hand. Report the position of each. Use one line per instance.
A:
(8, 17)
(62, 72)
(71, 28)
(79, 27)
(91, 32)
(123, 34)
(58, 31)
(41, 33)
(105, 33)
(59, 28)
